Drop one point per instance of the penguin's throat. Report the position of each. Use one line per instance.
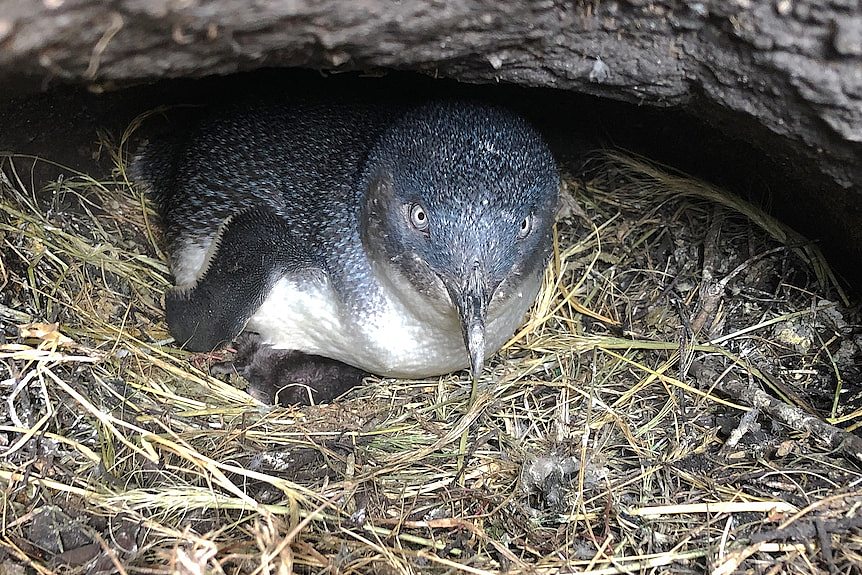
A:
(421, 294)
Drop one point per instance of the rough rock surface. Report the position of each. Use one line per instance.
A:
(782, 75)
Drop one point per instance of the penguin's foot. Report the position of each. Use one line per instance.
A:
(288, 377)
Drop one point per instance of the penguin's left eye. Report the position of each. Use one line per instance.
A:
(526, 227)
(418, 217)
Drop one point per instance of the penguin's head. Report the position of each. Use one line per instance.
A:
(460, 204)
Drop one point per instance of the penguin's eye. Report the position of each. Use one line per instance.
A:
(418, 218)
(526, 227)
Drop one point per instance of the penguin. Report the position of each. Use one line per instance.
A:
(405, 241)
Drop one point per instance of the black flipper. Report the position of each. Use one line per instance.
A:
(253, 250)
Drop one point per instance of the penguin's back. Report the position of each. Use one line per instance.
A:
(302, 160)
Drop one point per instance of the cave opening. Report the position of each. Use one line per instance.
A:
(684, 351)
(62, 125)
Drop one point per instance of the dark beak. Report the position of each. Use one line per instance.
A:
(471, 299)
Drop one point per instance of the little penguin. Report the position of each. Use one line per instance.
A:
(404, 240)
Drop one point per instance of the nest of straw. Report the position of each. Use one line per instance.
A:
(683, 397)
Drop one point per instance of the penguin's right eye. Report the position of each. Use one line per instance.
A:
(418, 218)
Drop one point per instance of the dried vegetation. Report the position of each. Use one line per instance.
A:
(684, 397)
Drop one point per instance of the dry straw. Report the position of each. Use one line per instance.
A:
(612, 435)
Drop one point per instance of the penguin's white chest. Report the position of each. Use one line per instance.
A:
(389, 338)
